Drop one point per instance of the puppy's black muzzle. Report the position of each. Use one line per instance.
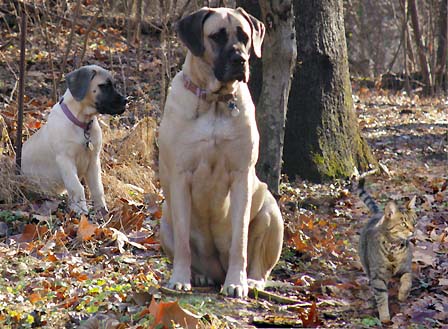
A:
(111, 103)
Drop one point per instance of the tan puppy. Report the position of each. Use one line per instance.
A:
(67, 148)
(220, 224)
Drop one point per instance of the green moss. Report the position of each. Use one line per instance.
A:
(330, 167)
(318, 159)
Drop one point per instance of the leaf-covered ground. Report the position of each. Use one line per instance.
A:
(59, 270)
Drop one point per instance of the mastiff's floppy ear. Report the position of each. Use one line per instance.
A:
(78, 82)
(258, 31)
(190, 31)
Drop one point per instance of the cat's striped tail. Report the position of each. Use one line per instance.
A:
(366, 198)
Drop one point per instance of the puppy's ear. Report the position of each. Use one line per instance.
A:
(190, 31)
(258, 31)
(78, 82)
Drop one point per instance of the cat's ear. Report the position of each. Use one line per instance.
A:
(411, 204)
(390, 210)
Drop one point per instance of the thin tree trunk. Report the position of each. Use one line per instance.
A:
(256, 65)
(322, 139)
(407, 85)
(138, 31)
(279, 56)
(424, 65)
(270, 82)
(442, 49)
(23, 18)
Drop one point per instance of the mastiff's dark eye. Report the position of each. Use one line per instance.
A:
(241, 35)
(219, 37)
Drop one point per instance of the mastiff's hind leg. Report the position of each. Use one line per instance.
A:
(265, 242)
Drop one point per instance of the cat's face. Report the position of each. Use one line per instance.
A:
(400, 224)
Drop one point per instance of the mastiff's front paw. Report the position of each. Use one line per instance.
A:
(235, 285)
(201, 280)
(179, 281)
(237, 291)
(256, 284)
(181, 286)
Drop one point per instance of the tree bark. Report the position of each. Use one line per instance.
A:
(278, 60)
(256, 65)
(442, 49)
(424, 65)
(322, 139)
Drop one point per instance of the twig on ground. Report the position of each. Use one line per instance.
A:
(253, 293)
(173, 292)
(368, 173)
(269, 296)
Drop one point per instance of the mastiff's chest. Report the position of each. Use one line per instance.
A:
(216, 127)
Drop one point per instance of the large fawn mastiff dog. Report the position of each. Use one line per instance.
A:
(67, 148)
(220, 224)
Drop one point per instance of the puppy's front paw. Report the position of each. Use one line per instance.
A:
(80, 208)
(103, 211)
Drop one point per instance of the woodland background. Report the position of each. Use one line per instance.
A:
(58, 270)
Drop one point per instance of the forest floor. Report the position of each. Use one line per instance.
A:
(59, 270)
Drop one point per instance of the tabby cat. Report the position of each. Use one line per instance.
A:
(385, 250)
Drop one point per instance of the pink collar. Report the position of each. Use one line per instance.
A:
(205, 94)
(83, 125)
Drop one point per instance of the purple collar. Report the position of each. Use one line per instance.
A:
(84, 125)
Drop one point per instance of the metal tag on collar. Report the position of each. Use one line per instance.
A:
(234, 110)
(89, 145)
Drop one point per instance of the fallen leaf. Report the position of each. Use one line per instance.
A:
(126, 216)
(424, 254)
(34, 298)
(102, 321)
(141, 298)
(51, 258)
(168, 312)
(311, 320)
(298, 243)
(121, 239)
(443, 282)
(35, 124)
(86, 229)
(30, 233)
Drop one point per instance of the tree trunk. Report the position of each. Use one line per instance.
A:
(322, 139)
(424, 65)
(407, 85)
(278, 60)
(442, 49)
(256, 65)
